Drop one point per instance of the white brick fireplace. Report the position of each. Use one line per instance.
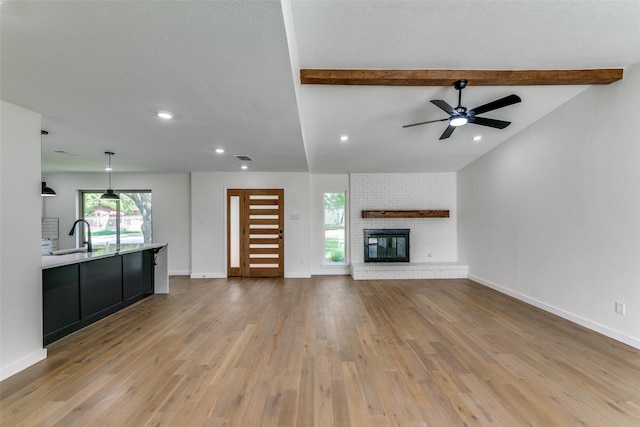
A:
(434, 241)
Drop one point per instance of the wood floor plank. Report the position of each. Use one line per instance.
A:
(322, 412)
(340, 404)
(328, 351)
(357, 409)
(306, 399)
(370, 377)
(289, 408)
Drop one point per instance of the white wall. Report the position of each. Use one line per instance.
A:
(20, 276)
(171, 203)
(432, 239)
(552, 216)
(208, 219)
(321, 184)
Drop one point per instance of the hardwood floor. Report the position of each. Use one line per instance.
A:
(329, 351)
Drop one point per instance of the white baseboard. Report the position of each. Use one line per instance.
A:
(24, 363)
(179, 272)
(208, 276)
(297, 276)
(224, 276)
(559, 312)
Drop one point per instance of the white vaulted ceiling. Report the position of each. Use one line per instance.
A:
(98, 71)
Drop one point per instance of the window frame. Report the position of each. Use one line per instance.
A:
(346, 229)
(81, 197)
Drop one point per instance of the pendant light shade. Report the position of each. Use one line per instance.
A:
(109, 195)
(46, 191)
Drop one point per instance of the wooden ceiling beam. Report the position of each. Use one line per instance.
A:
(448, 77)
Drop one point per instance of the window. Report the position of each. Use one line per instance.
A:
(334, 227)
(117, 222)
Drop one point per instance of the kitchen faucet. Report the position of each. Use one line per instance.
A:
(88, 241)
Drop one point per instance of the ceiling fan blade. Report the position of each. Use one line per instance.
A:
(444, 106)
(492, 123)
(424, 123)
(447, 132)
(499, 103)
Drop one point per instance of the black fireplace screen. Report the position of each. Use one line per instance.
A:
(386, 245)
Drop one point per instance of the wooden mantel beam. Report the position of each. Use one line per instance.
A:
(448, 77)
(405, 214)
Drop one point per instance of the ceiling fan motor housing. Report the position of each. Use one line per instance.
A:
(460, 84)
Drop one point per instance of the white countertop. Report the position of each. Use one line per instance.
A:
(50, 261)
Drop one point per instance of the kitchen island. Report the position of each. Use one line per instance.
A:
(83, 287)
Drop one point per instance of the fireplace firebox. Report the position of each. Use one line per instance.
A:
(386, 245)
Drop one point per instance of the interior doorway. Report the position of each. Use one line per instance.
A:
(255, 232)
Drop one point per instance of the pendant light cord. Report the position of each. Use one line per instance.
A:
(109, 171)
(109, 153)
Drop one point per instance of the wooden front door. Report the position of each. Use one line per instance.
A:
(258, 250)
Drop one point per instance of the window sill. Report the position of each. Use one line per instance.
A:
(334, 264)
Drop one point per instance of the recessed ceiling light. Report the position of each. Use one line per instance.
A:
(477, 137)
(244, 167)
(165, 115)
(219, 150)
(344, 138)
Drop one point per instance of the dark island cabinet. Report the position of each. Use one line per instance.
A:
(101, 285)
(61, 301)
(77, 295)
(137, 275)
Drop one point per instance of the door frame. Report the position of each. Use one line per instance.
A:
(248, 239)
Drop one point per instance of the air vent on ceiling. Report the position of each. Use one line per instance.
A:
(243, 158)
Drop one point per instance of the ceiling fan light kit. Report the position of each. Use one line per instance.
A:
(460, 115)
(458, 121)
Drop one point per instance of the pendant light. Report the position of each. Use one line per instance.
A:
(109, 195)
(45, 191)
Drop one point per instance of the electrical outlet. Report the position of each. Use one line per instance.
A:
(620, 308)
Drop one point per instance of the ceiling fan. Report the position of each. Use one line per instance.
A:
(460, 115)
